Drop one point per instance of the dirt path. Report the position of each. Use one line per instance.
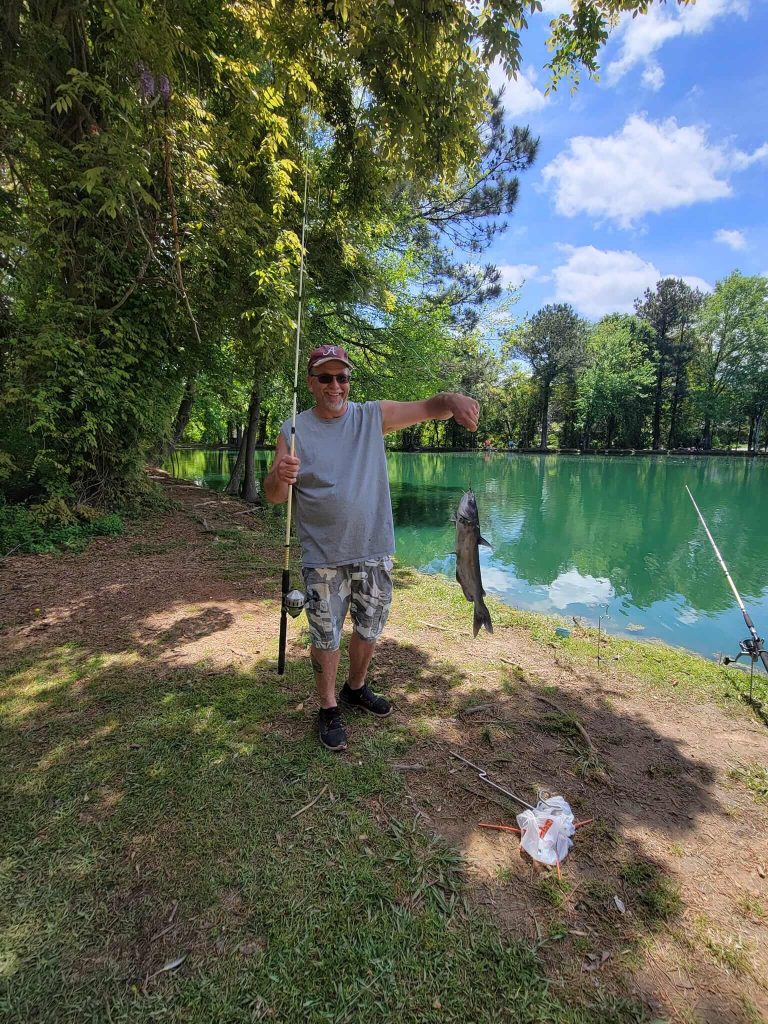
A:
(665, 895)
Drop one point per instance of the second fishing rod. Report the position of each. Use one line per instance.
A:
(752, 647)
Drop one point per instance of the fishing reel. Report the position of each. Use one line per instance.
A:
(294, 603)
(749, 648)
(753, 649)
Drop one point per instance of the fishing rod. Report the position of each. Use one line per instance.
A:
(752, 647)
(293, 600)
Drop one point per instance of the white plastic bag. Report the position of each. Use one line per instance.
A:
(546, 833)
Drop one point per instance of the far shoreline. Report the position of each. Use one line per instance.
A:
(736, 453)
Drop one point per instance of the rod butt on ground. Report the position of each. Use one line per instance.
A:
(285, 587)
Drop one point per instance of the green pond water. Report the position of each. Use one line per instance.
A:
(576, 535)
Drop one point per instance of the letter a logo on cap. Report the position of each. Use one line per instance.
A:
(326, 354)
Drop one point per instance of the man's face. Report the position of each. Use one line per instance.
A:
(330, 399)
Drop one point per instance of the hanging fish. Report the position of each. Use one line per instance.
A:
(468, 540)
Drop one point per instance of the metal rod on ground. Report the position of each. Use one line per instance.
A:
(754, 646)
(600, 618)
(482, 774)
(286, 577)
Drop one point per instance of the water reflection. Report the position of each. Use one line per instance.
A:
(570, 534)
(573, 588)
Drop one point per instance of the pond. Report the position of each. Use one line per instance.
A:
(578, 535)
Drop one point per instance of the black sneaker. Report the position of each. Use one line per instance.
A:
(330, 729)
(365, 699)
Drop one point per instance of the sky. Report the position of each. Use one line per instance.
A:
(658, 169)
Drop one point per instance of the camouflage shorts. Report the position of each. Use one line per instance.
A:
(363, 589)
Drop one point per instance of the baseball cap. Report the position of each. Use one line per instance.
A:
(327, 354)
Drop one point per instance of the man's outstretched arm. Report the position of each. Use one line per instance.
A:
(398, 415)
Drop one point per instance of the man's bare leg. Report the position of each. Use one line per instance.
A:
(355, 694)
(325, 665)
(360, 654)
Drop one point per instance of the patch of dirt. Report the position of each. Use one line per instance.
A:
(666, 817)
(159, 593)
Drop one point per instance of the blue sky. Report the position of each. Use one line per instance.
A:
(657, 169)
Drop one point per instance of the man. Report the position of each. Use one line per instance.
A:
(344, 521)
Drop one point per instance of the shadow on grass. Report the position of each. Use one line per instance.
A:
(166, 817)
(163, 858)
(643, 792)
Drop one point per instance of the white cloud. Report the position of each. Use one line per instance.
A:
(598, 281)
(734, 239)
(695, 282)
(653, 76)
(556, 7)
(642, 36)
(646, 167)
(741, 161)
(514, 274)
(520, 94)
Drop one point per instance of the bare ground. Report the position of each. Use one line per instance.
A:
(666, 815)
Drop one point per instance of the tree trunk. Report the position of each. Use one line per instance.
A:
(251, 486)
(706, 441)
(755, 423)
(586, 437)
(236, 478)
(239, 434)
(240, 470)
(656, 435)
(262, 438)
(544, 416)
(182, 417)
(674, 406)
(611, 431)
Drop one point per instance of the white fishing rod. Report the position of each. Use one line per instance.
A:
(291, 604)
(753, 647)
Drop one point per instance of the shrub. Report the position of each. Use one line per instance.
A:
(39, 529)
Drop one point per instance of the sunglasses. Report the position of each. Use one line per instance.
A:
(326, 378)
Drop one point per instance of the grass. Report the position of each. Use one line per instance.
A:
(754, 777)
(656, 898)
(729, 952)
(241, 553)
(670, 669)
(554, 890)
(150, 817)
(653, 663)
(752, 907)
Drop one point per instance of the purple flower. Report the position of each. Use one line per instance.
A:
(164, 84)
(146, 83)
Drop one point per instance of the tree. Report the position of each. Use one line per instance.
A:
(670, 309)
(617, 375)
(732, 335)
(151, 166)
(552, 341)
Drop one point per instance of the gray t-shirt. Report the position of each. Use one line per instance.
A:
(341, 498)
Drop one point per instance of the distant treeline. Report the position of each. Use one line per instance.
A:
(687, 370)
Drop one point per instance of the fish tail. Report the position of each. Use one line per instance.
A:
(482, 616)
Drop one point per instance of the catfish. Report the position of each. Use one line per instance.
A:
(468, 541)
